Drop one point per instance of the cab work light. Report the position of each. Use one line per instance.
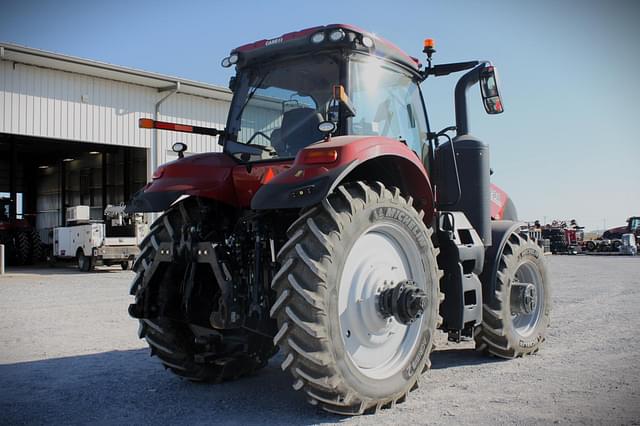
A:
(336, 35)
(317, 37)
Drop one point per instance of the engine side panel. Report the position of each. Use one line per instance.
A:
(502, 207)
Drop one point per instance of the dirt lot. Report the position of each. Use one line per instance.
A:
(69, 354)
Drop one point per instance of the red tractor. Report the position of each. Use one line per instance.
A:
(335, 225)
(612, 239)
(22, 241)
(632, 227)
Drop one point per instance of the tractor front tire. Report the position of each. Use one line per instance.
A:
(509, 329)
(343, 353)
(190, 351)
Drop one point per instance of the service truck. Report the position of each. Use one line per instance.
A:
(111, 242)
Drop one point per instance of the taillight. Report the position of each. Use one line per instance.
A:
(267, 176)
(319, 156)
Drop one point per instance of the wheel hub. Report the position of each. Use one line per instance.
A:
(523, 298)
(378, 344)
(405, 302)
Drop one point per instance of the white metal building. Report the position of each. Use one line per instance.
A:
(69, 130)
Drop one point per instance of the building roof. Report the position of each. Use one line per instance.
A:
(45, 59)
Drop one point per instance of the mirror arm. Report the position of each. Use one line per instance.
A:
(463, 85)
(446, 69)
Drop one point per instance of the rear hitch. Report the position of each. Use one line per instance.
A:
(229, 313)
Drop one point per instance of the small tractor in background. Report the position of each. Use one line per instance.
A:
(21, 240)
(340, 228)
(614, 239)
(632, 227)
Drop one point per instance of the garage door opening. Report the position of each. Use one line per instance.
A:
(43, 177)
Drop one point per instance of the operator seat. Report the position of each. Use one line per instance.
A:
(276, 140)
(299, 128)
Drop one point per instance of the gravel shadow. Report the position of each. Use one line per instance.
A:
(460, 357)
(129, 387)
(58, 269)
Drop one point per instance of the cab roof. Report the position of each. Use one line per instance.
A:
(301, 40)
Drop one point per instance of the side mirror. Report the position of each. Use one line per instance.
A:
(490, 92)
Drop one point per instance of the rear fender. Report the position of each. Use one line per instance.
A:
(205, 175)
(359, 158)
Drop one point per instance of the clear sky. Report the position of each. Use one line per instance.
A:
(566, 147)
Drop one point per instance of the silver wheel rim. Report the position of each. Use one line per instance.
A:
(525, 324)
(382, 256)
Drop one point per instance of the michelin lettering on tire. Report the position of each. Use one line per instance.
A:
(399, 216)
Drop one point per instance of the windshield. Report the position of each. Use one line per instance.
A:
(387, 101)
(281, 107)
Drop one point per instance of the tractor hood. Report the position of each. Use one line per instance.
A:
(618, 230)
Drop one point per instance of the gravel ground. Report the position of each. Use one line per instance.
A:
(70, 354)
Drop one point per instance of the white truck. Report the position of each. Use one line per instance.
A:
(114, 242)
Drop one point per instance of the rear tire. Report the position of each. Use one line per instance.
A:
(179, 346)
(342, 353)
(85, 263)
(22, 253)
(505, 333)
(36, 246)
(126, 265)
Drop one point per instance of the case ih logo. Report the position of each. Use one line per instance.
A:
(273, 41)
(496, 198)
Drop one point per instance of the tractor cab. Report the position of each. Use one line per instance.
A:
(348, 80)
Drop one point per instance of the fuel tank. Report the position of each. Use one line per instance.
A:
(474, 196)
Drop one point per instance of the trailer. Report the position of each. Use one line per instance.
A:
(92, 243)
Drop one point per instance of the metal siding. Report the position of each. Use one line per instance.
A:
(48, 103)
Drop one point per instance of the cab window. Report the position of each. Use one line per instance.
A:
(387, 102)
